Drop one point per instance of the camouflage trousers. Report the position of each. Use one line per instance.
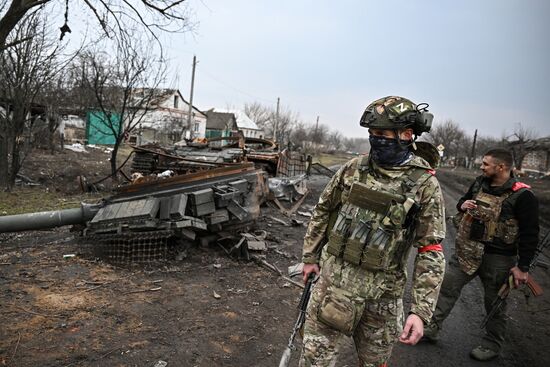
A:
(493, 271)
(333, 313)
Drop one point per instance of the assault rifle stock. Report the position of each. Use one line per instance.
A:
(508, 285)
(302, 306)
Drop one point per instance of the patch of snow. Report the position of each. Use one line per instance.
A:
(76, 147)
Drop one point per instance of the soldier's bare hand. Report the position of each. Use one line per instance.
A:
(413, 330)
(468, 204)
(520, 277)
(309, 268)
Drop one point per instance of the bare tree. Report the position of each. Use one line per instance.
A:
(518, 142)
(112, 16)
(124, 86)
(452, 137)
(299, 135)
(484, 143)
(267, 118)
(259, 113)
(335, 139)
(284, 123)
(25, 68)
(318, 133)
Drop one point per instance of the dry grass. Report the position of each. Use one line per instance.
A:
(29, 200)
(327, 159)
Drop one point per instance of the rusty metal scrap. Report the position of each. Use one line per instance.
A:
(203, 156)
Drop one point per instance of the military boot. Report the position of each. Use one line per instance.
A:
(431, 333)
(481, 353)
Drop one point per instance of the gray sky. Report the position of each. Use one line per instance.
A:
(483, 63)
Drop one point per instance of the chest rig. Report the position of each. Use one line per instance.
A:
(485, 224)
(375, 223)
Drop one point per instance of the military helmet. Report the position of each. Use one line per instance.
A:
(394, 112)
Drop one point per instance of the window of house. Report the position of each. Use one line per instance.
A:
(196, 127)
(176, 100)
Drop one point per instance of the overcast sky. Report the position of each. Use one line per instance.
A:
(484, 64)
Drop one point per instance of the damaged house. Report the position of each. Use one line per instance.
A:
(537, 159)
(166, 119)
(244, 123)
(220, 124)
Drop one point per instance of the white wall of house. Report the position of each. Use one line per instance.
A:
(252, 133)
(172, 114)
(537, 161)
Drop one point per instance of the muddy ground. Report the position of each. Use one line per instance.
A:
(206, 309)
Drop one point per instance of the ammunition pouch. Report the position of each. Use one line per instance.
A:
(508, 231)
(370, 225)
(340, 312)
(486, 225)
(337, 237)
(377, 201)
(356, 243)
(477, 230)
(376, 255)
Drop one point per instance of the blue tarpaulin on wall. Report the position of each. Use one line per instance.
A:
(99, 127)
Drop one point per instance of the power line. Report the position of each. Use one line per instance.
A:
(236, 89)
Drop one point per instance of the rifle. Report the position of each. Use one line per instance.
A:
(302, 306)
(508, 285)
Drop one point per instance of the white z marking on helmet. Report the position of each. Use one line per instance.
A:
(402, 107)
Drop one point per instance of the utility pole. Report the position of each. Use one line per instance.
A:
(317, 126)
(316, 137)
(276, 125)
(473, 154)
(190, 113)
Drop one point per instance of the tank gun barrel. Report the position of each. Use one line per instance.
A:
(44, 220)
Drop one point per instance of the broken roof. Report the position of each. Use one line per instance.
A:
(160, 95)
(243, 121)
(220, 120)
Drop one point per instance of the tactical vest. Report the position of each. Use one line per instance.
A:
(375, 223)
(486, 224)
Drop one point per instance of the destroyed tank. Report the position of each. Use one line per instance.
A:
(143, 219)
(194, 157)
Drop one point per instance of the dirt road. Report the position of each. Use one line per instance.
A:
(207, 309)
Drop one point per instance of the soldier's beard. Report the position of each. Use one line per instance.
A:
(489, 176)
(389, 151)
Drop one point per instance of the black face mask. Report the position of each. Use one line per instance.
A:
(388, 151)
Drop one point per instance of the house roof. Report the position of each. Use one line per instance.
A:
(220, 120)
(162, 94)
(243, 121)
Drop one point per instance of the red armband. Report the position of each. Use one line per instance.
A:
(434, 247)
(431, 172)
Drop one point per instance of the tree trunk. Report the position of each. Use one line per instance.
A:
(17, 142)
(4, 166)
(15, 164)
(14, 14)
(114, 153)
(52, 128)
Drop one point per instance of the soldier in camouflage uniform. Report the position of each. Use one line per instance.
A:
(372, 212)
(498, 230)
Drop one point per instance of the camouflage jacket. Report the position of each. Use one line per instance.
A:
(429, 232)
